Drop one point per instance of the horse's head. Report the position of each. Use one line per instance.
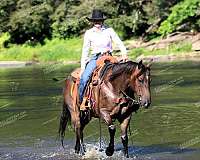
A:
(140, 83)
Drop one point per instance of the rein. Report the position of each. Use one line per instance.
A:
(129, 98)
(115, 98)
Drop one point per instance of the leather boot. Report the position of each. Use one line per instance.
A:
(83, 104)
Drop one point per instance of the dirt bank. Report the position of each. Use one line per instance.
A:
(192, 56)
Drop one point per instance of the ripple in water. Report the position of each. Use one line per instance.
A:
(51, 150)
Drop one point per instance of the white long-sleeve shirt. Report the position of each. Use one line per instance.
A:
(100, 41)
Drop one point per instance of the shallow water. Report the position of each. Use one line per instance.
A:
(30, 105)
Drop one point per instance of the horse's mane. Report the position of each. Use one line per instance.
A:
(120, 68)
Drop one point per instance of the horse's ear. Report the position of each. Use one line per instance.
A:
(138, 68)
(140, 64)
(150, 63)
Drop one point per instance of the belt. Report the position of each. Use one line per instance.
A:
(108, 53)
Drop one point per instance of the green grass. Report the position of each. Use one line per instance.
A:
(180, 48)
(70, 50)
(53, 50)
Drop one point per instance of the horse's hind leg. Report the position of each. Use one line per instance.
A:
(76, 123)
(124, 137)
(111, 129)
(79, 125)
(64, 119)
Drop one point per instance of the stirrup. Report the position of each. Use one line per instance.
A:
(83, 104)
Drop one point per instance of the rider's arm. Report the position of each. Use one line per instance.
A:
(119, 43)
(85, 51)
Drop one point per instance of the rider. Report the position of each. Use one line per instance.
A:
(98, 39)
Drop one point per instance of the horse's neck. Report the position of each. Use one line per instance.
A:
(121, 82)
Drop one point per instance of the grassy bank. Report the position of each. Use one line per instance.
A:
(175, 49)
(70, 50)
(53, 50)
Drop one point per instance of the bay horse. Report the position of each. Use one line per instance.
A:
(115, 100)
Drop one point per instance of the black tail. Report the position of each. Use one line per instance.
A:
(64, 119)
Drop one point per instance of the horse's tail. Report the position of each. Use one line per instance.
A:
(64, 119)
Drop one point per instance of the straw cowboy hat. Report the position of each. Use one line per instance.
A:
(96, 15)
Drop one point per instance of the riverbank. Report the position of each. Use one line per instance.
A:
(54, 50)
(19, 64)
(193, 56)
(177, 47)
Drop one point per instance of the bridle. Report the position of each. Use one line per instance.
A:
(118, 100)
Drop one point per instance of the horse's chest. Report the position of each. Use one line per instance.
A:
(119, 111)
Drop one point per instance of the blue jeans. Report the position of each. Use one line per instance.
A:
(86, 75)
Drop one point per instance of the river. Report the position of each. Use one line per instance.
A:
(30, 106)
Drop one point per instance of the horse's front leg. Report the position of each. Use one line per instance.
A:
(77, 146)
(84, 119)
(124, 137)
(111, 129)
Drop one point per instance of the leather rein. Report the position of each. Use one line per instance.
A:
(115, 98)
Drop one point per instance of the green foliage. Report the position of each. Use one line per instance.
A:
(3, 38)
(31, 21)
(182, 12)
(53, 50)
(70, 50)
(6, 8)
(127, 17)
(30, 24)
(128, 26)
(69, 28)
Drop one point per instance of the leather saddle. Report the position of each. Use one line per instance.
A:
(100, 64)
(103, 64)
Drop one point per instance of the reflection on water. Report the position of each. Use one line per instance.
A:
(30, 105)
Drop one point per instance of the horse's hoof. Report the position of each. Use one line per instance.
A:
(84, 147)
(109, 151)
(82, 150)
(76, 151)
(82, 153)
(101, 150)
(126, 154)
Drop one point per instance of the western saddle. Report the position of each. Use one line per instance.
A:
(94, 81)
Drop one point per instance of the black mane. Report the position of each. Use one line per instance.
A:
(120, 68)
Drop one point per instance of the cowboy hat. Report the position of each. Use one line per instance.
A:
(96, 15)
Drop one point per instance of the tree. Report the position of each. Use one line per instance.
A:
(185, 14)
(128, 17)
(6, 8)
(30, 22)
(64, 23)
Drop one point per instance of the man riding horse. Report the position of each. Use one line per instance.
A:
(99, 39)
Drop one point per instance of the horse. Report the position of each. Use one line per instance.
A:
(115, 100)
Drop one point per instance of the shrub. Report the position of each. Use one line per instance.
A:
(183, 12)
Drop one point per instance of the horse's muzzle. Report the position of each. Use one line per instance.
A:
(146, 104)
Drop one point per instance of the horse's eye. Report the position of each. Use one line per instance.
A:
(140, 80)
